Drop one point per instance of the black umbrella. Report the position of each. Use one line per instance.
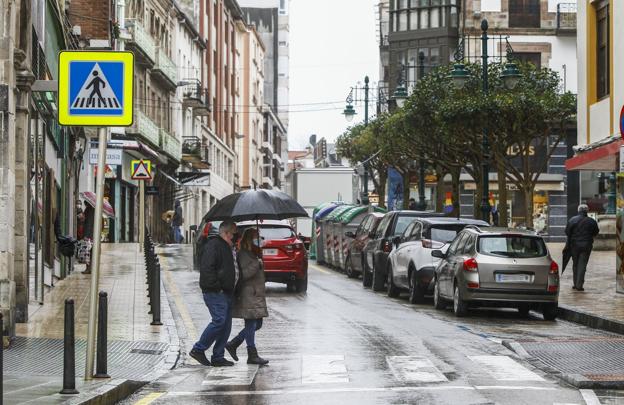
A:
(567, 255)
(255, 205)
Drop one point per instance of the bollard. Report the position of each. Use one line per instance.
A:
(69, 351)
(102, 340)
(155, 299)
(1, 359)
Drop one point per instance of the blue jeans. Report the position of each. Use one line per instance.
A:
(177, 234)
(219, 328)
(249, 331)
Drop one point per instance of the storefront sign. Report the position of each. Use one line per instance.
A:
(113, 156)
(151, 190)
(622, 159)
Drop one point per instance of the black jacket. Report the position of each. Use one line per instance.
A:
(216, 267)
(581, 231)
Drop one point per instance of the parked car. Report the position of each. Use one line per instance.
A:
(497, 267)
(283, 253)
(355, 260)
(380, 245)
(411, 265)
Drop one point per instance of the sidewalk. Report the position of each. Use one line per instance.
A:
(137, 351)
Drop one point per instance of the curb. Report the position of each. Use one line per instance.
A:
(108, 393)
(593, 321)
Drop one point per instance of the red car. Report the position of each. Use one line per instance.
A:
(283, 253)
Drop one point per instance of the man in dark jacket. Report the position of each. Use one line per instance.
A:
(581, 231)
(177, 221)
(218, 275)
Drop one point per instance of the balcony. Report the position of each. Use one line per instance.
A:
(165, 70)
(195, 152)
(267, 147)
(141, 43)
(170, 145)
(195, 97)
(277, 158)
(145, 128)
(566, 18)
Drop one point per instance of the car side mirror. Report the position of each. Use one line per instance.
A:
(397, 241)
(439, 254)
(193, 228)
(349, 234)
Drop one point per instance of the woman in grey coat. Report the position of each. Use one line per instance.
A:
(250, 298)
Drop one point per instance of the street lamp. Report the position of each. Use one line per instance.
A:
(349, 112)
(511, 77)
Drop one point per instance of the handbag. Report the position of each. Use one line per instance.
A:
(66, 245)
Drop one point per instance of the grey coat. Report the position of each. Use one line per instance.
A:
(250, 297)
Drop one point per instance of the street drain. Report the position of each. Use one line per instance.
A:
(147, 351)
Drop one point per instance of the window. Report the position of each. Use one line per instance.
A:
(517, 246)
(401, 224)
(524, 13)
(416, 231)
(382, 226)
(532, 57)
(443, 233)
(408, 231)
(453, 248)
(469, 245)
(602, 49)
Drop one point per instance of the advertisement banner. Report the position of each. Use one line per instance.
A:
(395, 190)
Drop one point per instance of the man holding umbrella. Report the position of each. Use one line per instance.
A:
(581, 231)
(218, 275)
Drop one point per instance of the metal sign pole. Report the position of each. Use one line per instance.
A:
(141, 212)
(95, 257)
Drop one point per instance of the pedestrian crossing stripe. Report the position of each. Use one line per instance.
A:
(141, 170)
(95, 88)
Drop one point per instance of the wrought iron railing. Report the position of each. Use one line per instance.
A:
(166, 65)
(145, 128)
(170, 144)
(566, 16)
(141, 39)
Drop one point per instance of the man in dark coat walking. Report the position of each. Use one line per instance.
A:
(581, 231)
(176, 222)
(218, 275)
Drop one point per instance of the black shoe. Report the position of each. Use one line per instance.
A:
(253, 358)
(222, 363)
(232, 345)
(574, 287)
(200, 357)
(86, 272)
(580, 289)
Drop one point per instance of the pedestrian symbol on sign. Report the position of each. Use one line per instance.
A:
(96, 92)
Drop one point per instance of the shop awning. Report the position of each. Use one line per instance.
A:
(142, 149)
(599, 156)
(545, 182)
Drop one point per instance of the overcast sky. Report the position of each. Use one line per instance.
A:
(333, 45)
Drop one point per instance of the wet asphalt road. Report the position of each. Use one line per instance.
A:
(342, 344)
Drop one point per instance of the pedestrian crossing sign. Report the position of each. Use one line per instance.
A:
(141, 169)
(95, 88)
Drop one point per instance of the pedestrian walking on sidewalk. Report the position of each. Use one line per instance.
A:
(86, 243)
(581, 231)
(250, 298)
(218, 275)
(176, 222)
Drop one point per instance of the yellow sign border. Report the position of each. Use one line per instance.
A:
(138, 162)
(125, 119)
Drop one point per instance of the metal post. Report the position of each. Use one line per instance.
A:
(141, 211)
(422, 202)
(485, 201)
(95, 257)
(155, 298)
(101, 368)
(611, 195)
(1, 359)
(366, 89)
(69, 351)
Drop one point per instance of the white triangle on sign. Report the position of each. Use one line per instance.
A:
(96, 93)
(141, 171)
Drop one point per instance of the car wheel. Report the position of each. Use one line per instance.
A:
(438, 301)
(550, 311)
(393, 290)
(523, 310)
(349, 268)
(416, 293)
(378, 279)
(459, 305)
(291, 287)
(301, 284)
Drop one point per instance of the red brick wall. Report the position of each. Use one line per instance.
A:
(92, 16)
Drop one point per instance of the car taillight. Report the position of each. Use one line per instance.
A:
(554, 267)
(471, 265)
(554, 272)
(293, 247)
(432, 244)
(471, 284)
(387, 246)
(206, 230)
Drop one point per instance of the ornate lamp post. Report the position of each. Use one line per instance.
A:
(510, 76)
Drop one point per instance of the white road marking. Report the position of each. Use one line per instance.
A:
(590, 397)
(319, 369)
(410, 369)
(504, 368)
(239, 375)
(356, 389)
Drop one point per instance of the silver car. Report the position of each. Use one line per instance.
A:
(497, 267)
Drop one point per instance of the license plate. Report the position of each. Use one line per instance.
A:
(270, 252)
(513, 278)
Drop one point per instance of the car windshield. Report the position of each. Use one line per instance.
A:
(402, 223)
(445, 233)
(516, 246)
(276, 232)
